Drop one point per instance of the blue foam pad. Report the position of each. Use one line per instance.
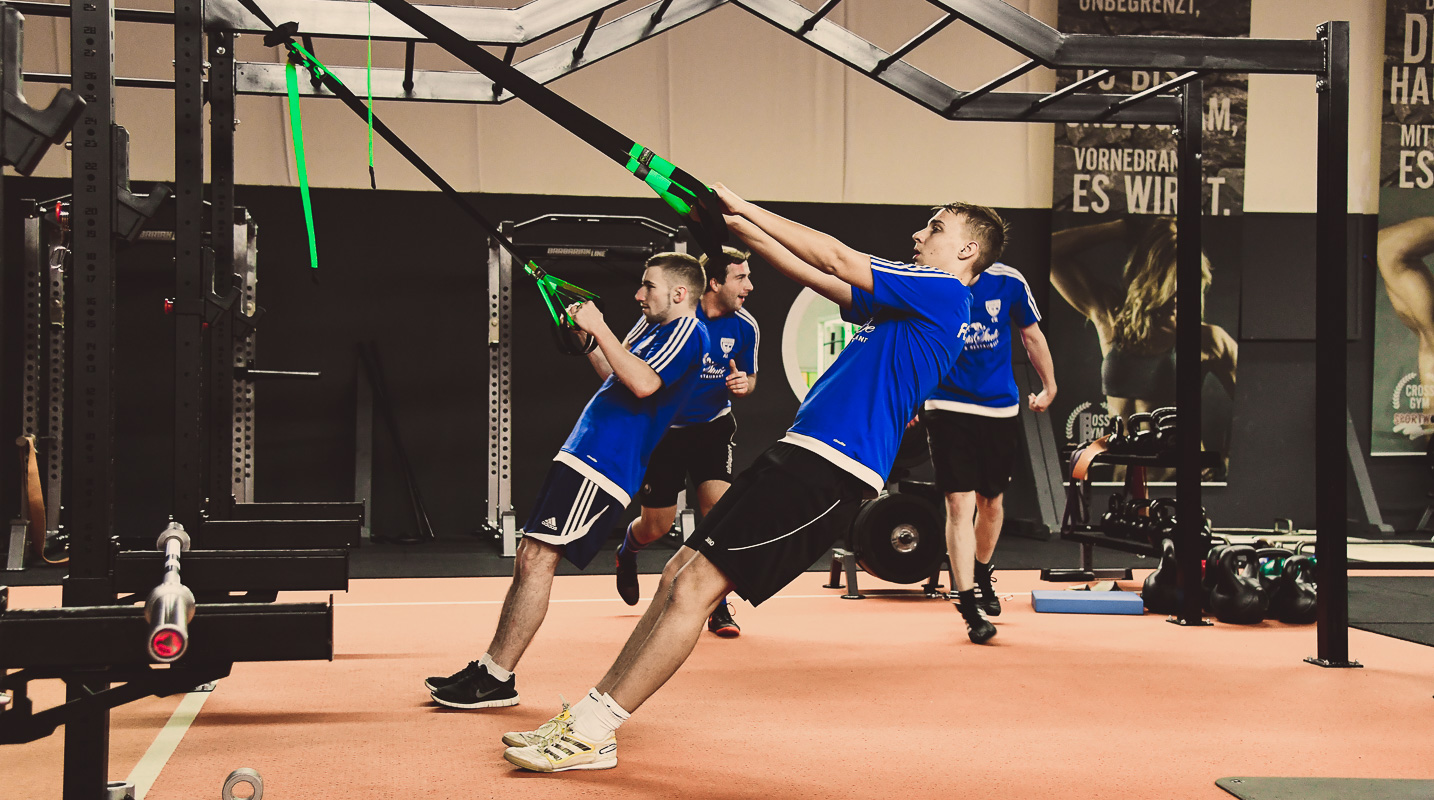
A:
(1055, 602)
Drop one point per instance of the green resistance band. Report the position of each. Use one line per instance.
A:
(656, 172)
(291, 74)
(368, 76)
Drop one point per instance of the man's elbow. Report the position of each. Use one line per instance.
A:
(646, 389)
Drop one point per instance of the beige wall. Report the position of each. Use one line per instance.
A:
(769, 116)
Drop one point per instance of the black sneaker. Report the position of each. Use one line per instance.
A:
(478, 690)
(436, 682)
(627, 575)
(986, 598)
(978, 627)
(721, 622)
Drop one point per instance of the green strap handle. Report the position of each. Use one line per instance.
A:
(291, 75)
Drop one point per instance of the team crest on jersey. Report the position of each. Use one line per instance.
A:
(993, 307)
(727, 345)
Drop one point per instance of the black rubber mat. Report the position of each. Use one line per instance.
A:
(1401, 607)
(1327, 788)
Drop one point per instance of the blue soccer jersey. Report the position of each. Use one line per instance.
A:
(735, 337)
(617, 431)
(855, 413)
(982, 382)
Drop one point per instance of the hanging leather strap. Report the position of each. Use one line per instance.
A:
(35, 500)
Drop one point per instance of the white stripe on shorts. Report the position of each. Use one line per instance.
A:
(785, 535)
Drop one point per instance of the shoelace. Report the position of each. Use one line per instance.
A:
(555, 727)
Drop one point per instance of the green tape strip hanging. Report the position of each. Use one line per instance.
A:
(292, 77)
(372, 179)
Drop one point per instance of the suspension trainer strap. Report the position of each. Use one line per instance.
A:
(685, 194)
(292, 78)
(557, 294)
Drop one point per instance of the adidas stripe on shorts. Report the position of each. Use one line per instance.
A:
(574, 512)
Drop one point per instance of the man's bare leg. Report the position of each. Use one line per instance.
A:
(961, 537)
(649, 618)
(682, 612)
(961, 549)
(526, 603)
(990, 516)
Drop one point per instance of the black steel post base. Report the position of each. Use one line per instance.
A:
(1198, 622)
(1323, 662)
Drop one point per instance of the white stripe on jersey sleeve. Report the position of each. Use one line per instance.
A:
(912, 270)
(756, 335)
(669, 351)
(633, 334)
(1012, 272)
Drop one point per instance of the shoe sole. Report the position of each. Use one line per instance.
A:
(978, 639)
(546, 767)
(728, 632)
(505, 702)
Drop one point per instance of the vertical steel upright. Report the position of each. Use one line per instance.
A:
(500, 387)
(1188, 208)
(91, 456)
(220, 375)
(190, 451)
(1331, 400)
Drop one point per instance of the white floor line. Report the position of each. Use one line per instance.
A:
(147, 770)
(594, 600)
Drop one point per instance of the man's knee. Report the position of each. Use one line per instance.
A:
(988, 504)
(699, 584)
(535, 557)
(958, 503)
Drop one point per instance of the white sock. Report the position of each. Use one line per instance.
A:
(590, 700)
(599, 720)
(493, 668)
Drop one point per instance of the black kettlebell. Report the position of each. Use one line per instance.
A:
(1238, 598)
(1271, 561)
(1297, 599)
(1161, 591)
(1141, 433)
(1162, 522)
(1207, 578)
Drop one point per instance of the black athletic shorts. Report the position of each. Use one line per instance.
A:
(574, 513)
(781, 515)
(702, 452)
(972, 453)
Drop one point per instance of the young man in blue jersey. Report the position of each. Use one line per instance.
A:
(971, 426)
(699, 443)
(647, 376)
(785, 511)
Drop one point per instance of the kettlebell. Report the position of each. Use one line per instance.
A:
(1271, 561)
(1238, 598)
(1296, 600)
(1161, 591)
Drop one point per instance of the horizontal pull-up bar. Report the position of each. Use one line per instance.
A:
(991, 86)
(1069, 90)
(916, 41)
(1153, 91)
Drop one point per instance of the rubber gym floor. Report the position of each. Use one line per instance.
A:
(819, 697)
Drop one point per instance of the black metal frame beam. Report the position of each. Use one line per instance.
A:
(91, 397)
(219, 470)
(190, 434)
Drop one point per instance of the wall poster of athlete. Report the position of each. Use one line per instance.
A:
(1403, 382)
(1112, 316)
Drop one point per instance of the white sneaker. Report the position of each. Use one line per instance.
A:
(561, 751)
(530, 738)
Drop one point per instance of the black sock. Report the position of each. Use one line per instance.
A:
(966, 601)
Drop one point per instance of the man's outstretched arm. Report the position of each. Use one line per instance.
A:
(785, 262)
(1400, 255)
(825, 253)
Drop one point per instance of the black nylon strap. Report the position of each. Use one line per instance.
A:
(707, 226)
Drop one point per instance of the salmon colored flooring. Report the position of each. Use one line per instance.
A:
(819, 698)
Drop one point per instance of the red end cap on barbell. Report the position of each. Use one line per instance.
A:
(167, 644)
